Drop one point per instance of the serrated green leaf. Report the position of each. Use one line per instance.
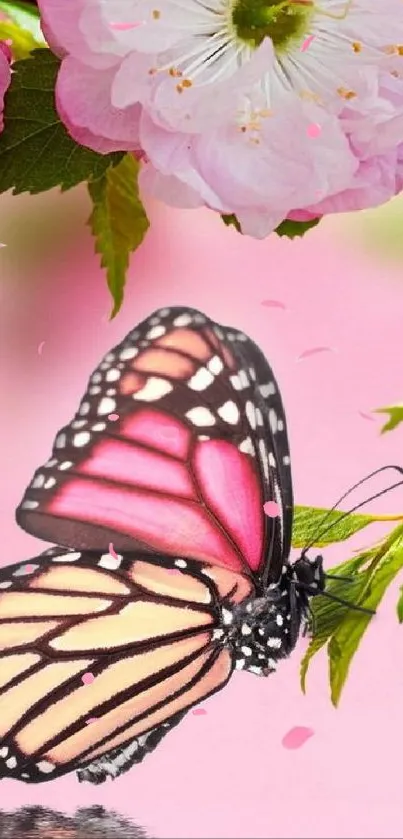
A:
(232, 220)
(395, 417)
(347, 637)
(36, 152)
(294, 229)
(118, 222)
(400, 606)
(23, 42)
(309, 524)
(25, 15)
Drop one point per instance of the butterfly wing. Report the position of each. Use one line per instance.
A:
(172, 450)
(101, 655)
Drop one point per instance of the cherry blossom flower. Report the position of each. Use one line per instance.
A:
(262, 108)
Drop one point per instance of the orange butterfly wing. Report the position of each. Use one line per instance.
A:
(97, 650)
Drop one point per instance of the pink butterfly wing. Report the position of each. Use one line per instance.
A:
(179, 471)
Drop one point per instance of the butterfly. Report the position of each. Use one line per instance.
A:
(170, 575)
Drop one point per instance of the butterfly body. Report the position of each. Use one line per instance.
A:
(172, 576)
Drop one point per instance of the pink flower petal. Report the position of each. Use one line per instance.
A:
(113, 417)
(314, 130)
(307, 43)
(87, 678)
(273, 304)
(297, 737)
(315, 351)
(366, 416)
(112, 551)
(40, 347)
(199, 712)
(271, 509)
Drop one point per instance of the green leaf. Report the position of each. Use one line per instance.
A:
(347, 637)
(25, 15)
(395, 417)
(326, 613)
(309, 524)
(232, 220)
(36, 152)
(400, 606)
(293, 229)
(23, 42)
(118, 222)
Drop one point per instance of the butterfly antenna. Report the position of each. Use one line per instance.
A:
(357, 506)
(347, 603)
(336, 577)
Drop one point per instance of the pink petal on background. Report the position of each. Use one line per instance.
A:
(40, 347)
(314, 130)
(87, 678)
(307, 43)
(297, 737)
(273, 304)
(124, 27)
(112, 551)
(366, 416)
(315, 351)
(271, 509)
(199, 712)
(113, 417)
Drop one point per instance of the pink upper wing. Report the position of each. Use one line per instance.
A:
(162, 454)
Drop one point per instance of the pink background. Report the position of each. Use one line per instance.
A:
(226, 773)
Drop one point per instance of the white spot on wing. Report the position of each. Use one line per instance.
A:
(273, 421)
(155, 332)
(250, 413)
(69, 557)
(215, 365)
(127, 353)
(267, 390)
(183, 320)
(45, 767)
(29, 505)
(81, 439)
(200, 416)
(110, 562)
(106, 406)
(154, 389)
(229, 412)
(201, 379)
(112, 375)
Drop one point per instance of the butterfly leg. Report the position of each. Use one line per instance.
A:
(114, 763)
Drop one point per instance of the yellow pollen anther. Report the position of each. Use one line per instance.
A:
(156, 14)
(357, 47)
(346, 94)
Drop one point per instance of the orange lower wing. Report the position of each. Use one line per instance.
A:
(93, 656)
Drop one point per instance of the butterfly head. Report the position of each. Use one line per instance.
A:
(308, 574)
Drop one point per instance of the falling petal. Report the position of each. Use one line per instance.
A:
(112, 551)
(124, 27)
(366, 416)
(199, 712)
(113, 417)
(297, 737)
(314, 130)
(87, 678)
(40, 348)
(307, 43)
(273, 304)
(315, 351)
(271, 509)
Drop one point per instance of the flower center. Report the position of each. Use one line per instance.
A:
(283, 22)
